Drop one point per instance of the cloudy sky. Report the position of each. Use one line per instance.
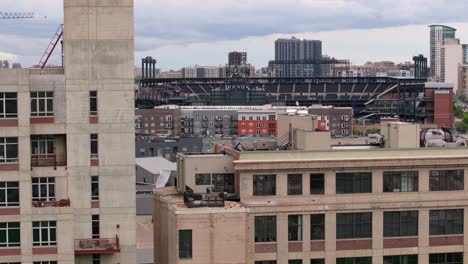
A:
(186, 32)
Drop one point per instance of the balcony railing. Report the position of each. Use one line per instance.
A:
(47, 160)
(59, 203)
(97, 246)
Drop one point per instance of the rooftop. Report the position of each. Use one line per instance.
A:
(374, 154)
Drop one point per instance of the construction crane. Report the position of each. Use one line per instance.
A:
(16, 15)
(51, 47)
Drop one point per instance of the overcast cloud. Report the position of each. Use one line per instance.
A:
(184, 32)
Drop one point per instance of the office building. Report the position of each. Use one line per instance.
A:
(335, 207)
(67, 177)
(438, 35)
(452, 62)
(203, 72)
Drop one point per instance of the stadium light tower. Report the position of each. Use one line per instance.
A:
(16, 15)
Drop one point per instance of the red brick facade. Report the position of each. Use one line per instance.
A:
(354, 244)
(265, 248)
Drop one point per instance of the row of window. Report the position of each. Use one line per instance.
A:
(439, 258)
(44, 233)
(361, 182)
(359, 225)
(222, 182)
(42, 104)
(43, 189)
(270, 118)
(40, 145)
(35, 262)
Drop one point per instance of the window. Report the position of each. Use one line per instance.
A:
(203, 179)
(400, 224)
(361, 260)
(94, 188)
(10, 235)
(295, 261)
(185, 244)
(43, 189)
(223, 182)
(42, 103)
(353, 225)
(42, 145)
(264, 185)
(9, 194)
(317, 227)
(400, 181)
(295, 227)
(94, 146)
(271, 117)
(44, 233)
(405, 259)
(317, 183)
(8, 105)
(446, 222)
(93, 103)
(45, 262)
(266, 262)
(356, 182)
(95, 226)
(294, 184)
(96, 259)
(317, 261)
(8, 149)
(265, 229)
(446, 258)
(446, 180)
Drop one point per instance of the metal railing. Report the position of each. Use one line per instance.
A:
(97, 246)
(47, 160)
(59, 203)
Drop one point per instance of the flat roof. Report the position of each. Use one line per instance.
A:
(373, 154)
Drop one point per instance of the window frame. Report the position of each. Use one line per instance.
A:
(295, 228)
(292, 181)
(396, 178)
(8, 145)
(446, 182)
(202, 178)
(45, 98)
(445, 257)
(95, 226)
(402, 259)
(317, 224)
(354, 260)
(7, 228)
(95, 188)
(263, 224)
(38, 183)
(314, 182)
(349, 225)
(50, 227)
(347, 182)
(94, 146)
(449, 222)
(6, 99)
(93, 103)
(398, 224)
(186, 245)
(7, 188)
(264, 189)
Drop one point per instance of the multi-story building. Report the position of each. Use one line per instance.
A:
(209, 121)
(334, 207)
(420, 66)
(238, 67)
(167, 147)
(257, 123)
(67, 177)
(294, 49)
(438, 35)
(203, 72)
(452, 62)
(162, 121)
(340, 118)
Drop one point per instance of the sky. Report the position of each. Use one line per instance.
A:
(180, 33)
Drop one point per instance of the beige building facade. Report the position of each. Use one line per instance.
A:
(67, 176)
(368, 206)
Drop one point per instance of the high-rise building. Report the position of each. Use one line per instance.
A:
(203, 72)
(452, 62)
(420, 66)
(297, 49)
(438, 35)
(238, 67)
(67, 173)
(237, 58)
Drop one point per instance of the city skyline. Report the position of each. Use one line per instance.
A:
(160, 32)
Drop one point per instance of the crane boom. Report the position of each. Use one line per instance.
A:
(16, 15)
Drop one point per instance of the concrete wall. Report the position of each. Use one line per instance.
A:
(311, 140)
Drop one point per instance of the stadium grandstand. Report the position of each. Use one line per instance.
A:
(371, 98)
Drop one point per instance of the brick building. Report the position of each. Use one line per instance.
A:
(257, 123)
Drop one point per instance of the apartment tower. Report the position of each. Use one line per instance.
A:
(438, 35)
(67, 171)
